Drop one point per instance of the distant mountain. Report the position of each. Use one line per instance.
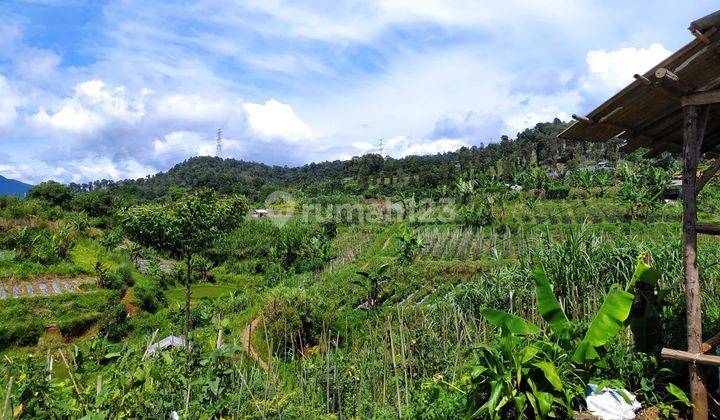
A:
(13, 187)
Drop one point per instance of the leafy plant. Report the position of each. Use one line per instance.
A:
(410, 245)
(372, 283)
(509, 380)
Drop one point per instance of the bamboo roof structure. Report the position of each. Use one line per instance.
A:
(649, 111)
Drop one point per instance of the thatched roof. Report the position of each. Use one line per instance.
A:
(648, 112)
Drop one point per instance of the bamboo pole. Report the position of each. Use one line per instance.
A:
(395, 372)
(72, 378)
(691, 151)
(6, 403)
(693, 358)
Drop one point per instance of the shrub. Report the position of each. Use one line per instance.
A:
(53, 192)
(114, 323)
(294, 319)
(75, 327)
(557, 191)
(21, 334)
(149, 296)
(252, 239)
(124, 272)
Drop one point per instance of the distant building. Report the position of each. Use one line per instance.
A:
(604, 166)
(259, 213)
(674, 191)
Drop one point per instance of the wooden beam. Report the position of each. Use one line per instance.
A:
(691, 156)
(701, 98)
(700, 36)
(707, 175)
(693, 358)
(642, 79)
(581, 118)
(670, 83)
(708, 228)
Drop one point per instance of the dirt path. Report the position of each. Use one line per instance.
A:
(246, 339)
(246, 336)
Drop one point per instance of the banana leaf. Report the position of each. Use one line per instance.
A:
(644, 273)
(608, 321)
(550, 373)
(548, 305)
(509, 322)
(645, 314)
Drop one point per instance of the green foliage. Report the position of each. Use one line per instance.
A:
(522, 377)
(114, 323)
(410, 245)
(52, 192)
(77, 326)
(294, 319)
(373, 283)
(190, 225)
(148, 295)
(302, 246)
(20, 334)
(523, 374)
(45, 246)
(557, 191)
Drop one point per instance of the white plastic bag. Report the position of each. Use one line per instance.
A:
(609, 404)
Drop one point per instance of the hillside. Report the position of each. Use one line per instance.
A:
(13, 187)
(372, 175)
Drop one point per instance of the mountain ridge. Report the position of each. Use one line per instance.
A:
(14, 187)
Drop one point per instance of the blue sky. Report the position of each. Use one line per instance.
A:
(125, 88)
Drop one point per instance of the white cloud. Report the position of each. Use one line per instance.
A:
(352, 20)
(157, 129)
(93, 105)
(435, 147)
(8, 102)
(609, 71)
(37, 64)
(276, 120)
(402, 146)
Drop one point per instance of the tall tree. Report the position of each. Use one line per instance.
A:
(183, 228)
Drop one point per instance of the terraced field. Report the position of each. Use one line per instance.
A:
(42, 288)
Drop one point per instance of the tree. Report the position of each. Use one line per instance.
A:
(189, 226)
(53, 192)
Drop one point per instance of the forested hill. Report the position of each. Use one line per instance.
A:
(371, 174)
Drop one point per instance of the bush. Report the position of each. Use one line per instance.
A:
(124, 273)
(23, 334)
(75, 327)
(252, 239)
(114, 323)
(557, 191)
(294, 319)
(149, 296)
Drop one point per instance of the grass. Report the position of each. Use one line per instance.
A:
(176, 295)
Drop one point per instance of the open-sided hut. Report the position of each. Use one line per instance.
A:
(674, 107)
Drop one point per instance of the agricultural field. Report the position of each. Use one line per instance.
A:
(361, 307)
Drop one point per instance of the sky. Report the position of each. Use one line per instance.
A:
(117, 89)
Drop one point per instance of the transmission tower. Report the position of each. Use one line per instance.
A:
(218, 152)
(381, 148)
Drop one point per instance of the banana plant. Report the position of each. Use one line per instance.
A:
(372, 282)
(529, 373)
(612, 316)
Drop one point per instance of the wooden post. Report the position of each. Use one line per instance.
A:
(691, 154)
